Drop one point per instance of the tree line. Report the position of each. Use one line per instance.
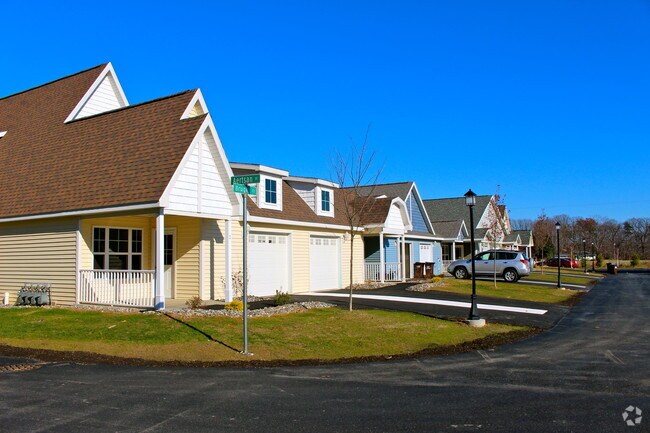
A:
(609, 237)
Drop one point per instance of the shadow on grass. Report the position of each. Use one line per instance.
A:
(205, 334)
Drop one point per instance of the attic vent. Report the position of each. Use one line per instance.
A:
(3, 133)
(197, 110)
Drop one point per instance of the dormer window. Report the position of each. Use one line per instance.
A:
(270, 191)
(325, 201)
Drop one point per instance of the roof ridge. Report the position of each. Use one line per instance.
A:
(454, 198)
(139, 104)
(381, 184)
(53, 81)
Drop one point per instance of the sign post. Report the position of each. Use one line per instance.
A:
(240, 186)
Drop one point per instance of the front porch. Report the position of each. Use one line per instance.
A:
(143, 260)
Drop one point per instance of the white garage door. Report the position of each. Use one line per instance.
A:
(426, 253)
(268, 264)
(324, 263)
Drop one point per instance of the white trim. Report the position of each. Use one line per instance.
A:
(172, 231)
(198, 97)
(260, 168)
(431, 238)
(3, 133)
(152, 206)
(256, 219)
(206, 127)
(427, 221)
(77, 264)
(318, 198)
(312, 180)
(201, 265)
(106, 253)
(197, 215)
(401, 204)
(120, 93)
(261, 193)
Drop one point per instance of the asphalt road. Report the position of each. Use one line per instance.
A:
(579, 376)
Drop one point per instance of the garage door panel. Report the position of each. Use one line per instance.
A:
(324, 263)
(268, 264)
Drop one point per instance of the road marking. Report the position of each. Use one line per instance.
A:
(609, 355)
(429, 302)
(485, 356)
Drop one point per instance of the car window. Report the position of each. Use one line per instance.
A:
(485, 256)
(503, 256)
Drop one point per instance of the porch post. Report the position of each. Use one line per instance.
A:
(159, 297)
(382, 264)
(453, 251)
(228, 273)
(403, 240)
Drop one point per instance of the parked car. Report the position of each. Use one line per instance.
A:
(565, 262)
(511, 265)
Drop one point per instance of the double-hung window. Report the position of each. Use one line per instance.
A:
(325, 201)
(270, 191)
(117, 248)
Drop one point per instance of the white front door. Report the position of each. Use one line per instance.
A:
(426, 253)
(268, 264)
(324, 263)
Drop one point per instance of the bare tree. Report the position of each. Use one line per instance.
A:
(352, 171)
(496, 229)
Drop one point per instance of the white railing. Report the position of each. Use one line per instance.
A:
(120, 288)
(445, 263)
(392, 271)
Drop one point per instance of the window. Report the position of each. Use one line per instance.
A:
(270, 191)
(325, 201)
(119, 249)
(485, 256)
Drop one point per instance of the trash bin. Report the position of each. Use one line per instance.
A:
(612, 268)
(418, 269)
(428, 270)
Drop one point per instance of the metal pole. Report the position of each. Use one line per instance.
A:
(245, 272)
(473, 312)
(559, 285)
(593, 258)
(584, 253)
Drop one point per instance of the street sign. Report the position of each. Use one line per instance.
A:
(245, 180)
(244, 189)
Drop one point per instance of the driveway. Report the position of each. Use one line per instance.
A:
(512, 316)
(579, 376)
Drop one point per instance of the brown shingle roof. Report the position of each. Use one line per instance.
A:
(126, 156)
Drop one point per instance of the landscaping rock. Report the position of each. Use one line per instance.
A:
(262, 312)
(425, 287)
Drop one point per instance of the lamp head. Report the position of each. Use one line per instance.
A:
(470, 198)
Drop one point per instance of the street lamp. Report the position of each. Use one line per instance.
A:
(593, 258)
(584, 253)
(557, 229)
(474, 319)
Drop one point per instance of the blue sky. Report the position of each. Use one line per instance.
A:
(550, 100)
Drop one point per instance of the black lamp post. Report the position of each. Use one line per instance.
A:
(584, 253)
(470, 200)
(557, 229)
(593, 258)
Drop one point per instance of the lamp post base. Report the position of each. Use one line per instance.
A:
(476, 323)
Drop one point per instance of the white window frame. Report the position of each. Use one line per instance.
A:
(319, 201)
(261, 193)
(107, 253)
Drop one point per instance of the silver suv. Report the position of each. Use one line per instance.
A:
(511, 265)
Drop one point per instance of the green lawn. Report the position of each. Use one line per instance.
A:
(520, 291)
(314, 334)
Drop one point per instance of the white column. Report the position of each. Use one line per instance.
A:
(403, 240)
(382, 262)
(159, 297)
(453, 251)
(228, 273)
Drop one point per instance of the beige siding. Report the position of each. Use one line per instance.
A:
(300, 269)
(188, 236)
(214, 259)
(39, 251)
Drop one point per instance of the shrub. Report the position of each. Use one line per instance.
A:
(635, 260)
(281, 298)
(235, 305)
(194, 303)
(436, 279)
(599, 260)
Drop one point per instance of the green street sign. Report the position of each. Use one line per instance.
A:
(244, 189)
(245, 180)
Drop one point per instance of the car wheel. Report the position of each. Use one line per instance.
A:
(460, 273)
(510, 275)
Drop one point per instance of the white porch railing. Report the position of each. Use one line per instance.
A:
(121, 288)
(392, 271)
(445, 263)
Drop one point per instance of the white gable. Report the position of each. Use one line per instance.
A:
(201, 185)
(104, 95)
(395, 220)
